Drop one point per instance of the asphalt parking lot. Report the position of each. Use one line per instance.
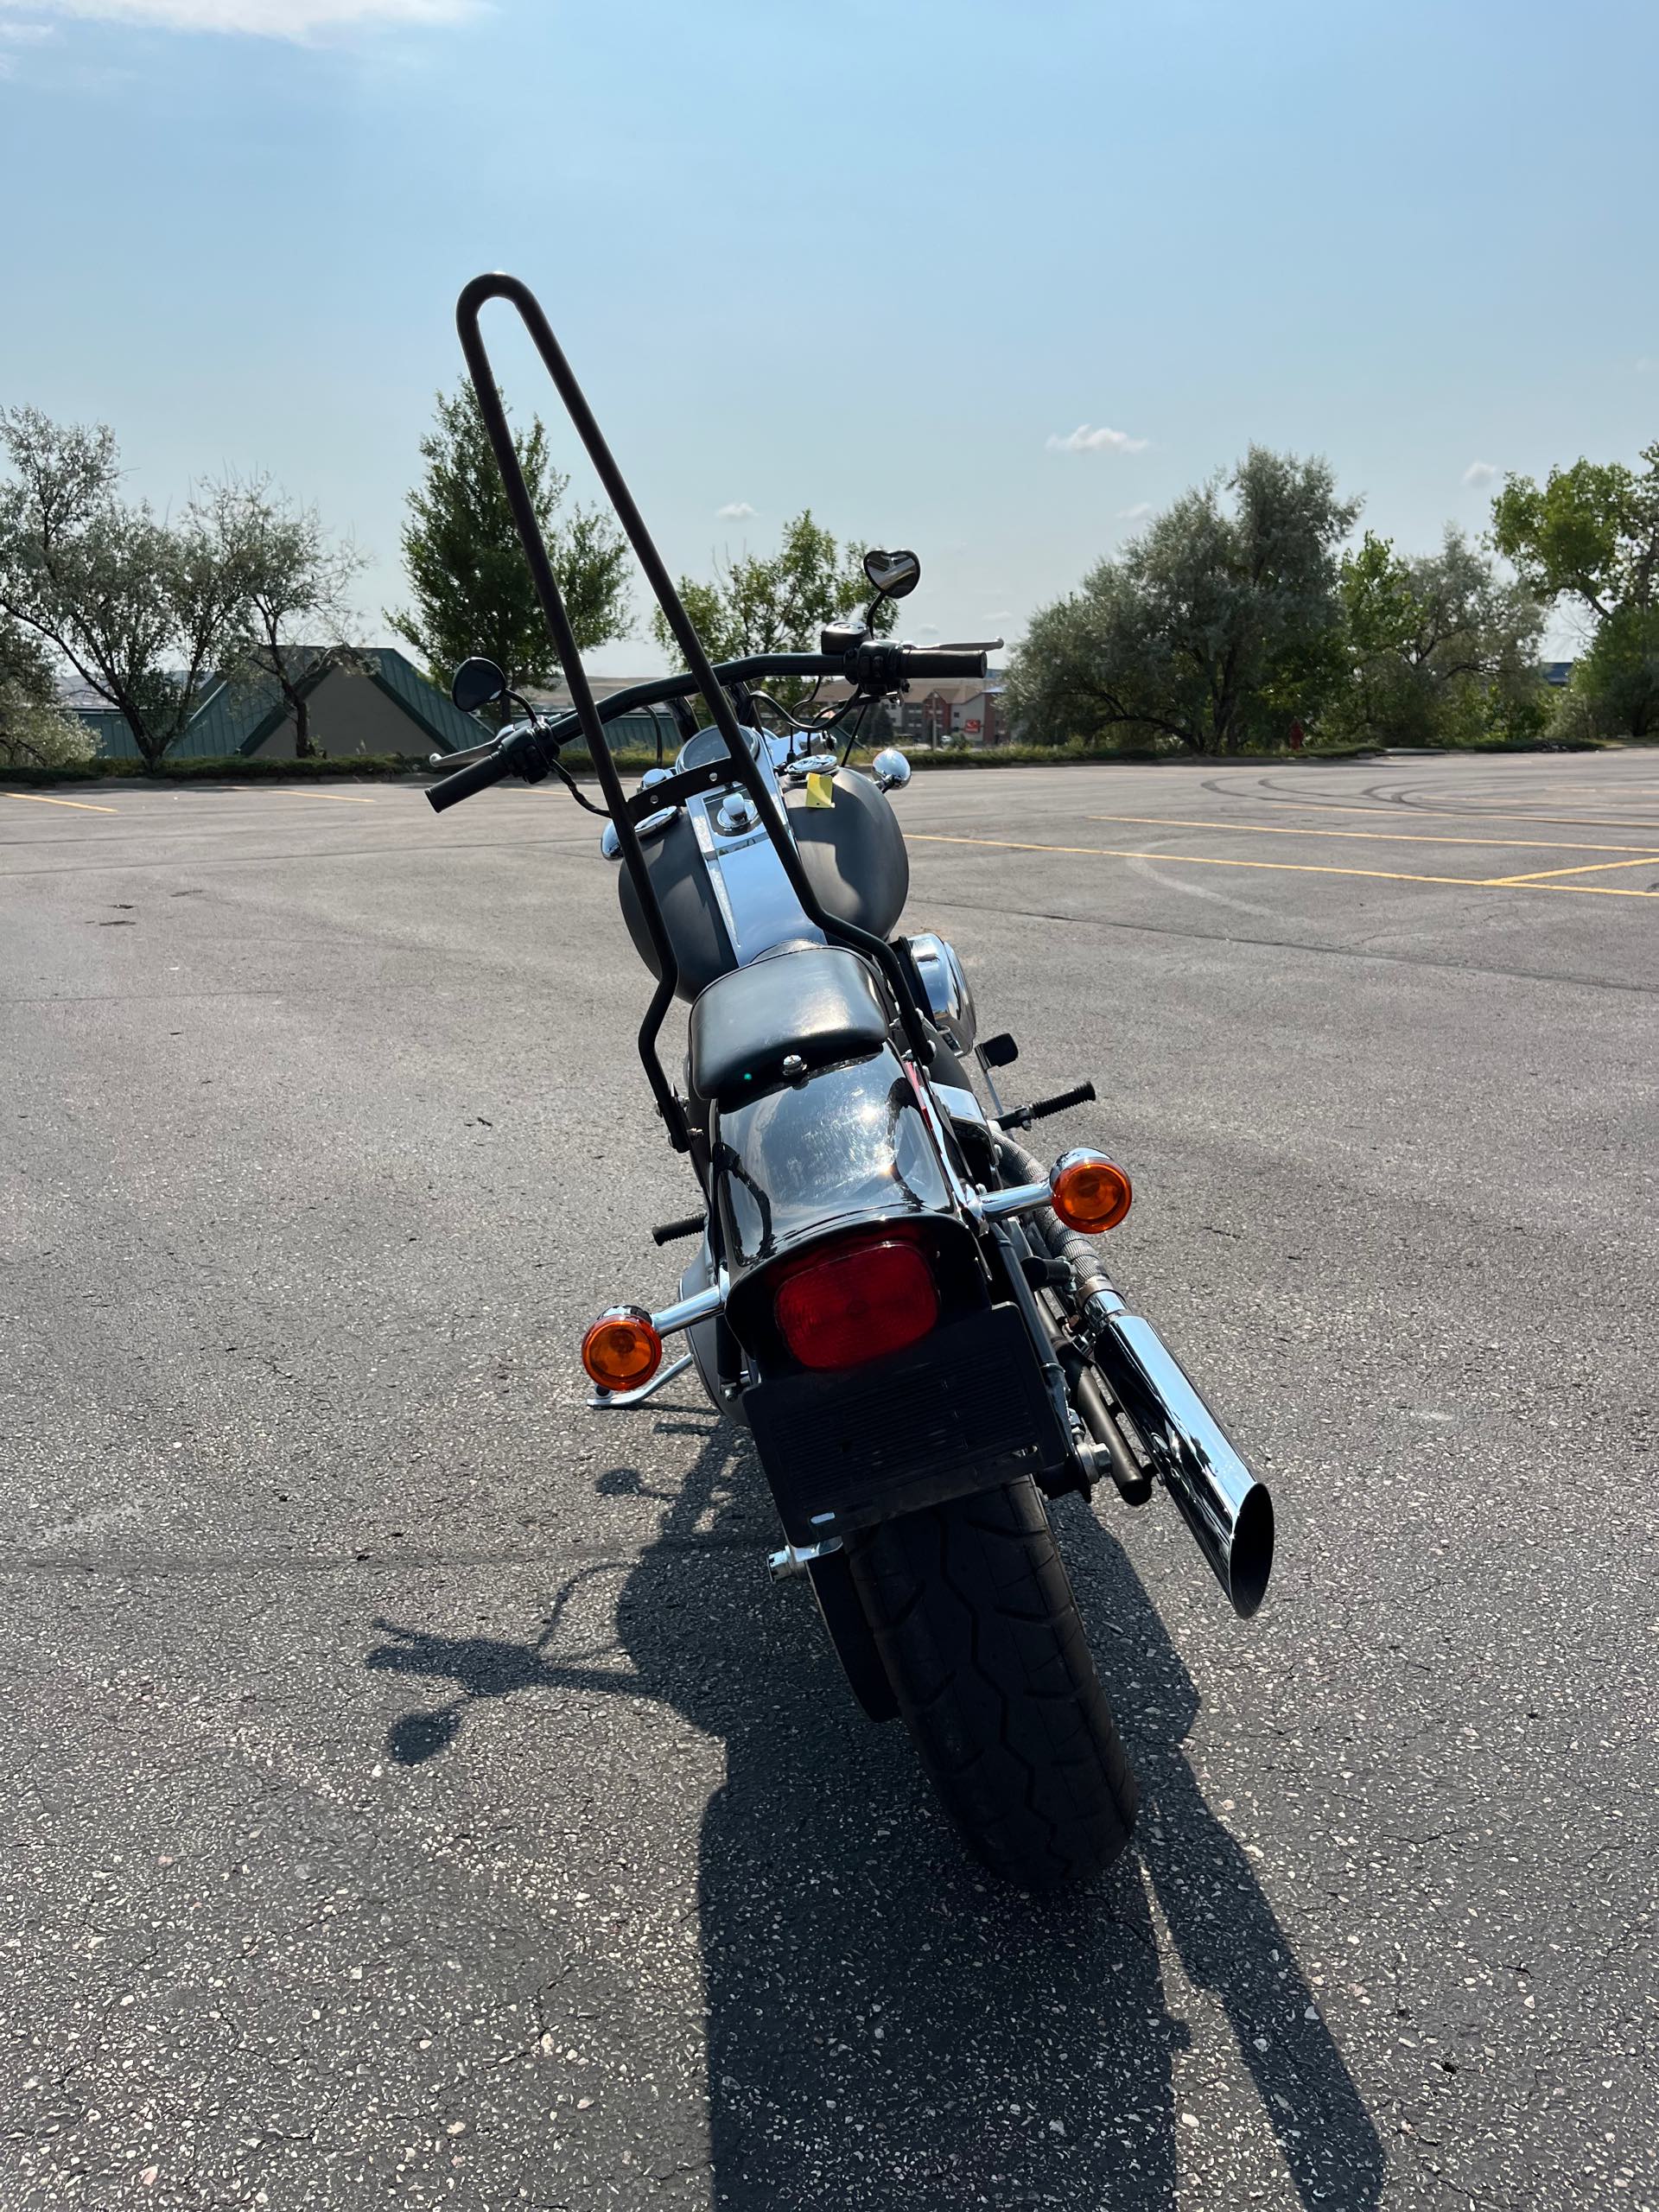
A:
(413, 1792)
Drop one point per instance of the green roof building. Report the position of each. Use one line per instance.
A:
(370, 700)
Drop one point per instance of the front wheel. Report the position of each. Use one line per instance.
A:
(973, 1614)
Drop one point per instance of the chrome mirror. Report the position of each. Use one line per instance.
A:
(891, 769)
(893, 576)
(475, 683)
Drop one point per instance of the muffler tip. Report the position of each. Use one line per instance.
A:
(1250, 1563)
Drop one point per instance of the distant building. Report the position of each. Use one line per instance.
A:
(1559, 672)
(965, 711)
(555, 698)
(640, 732)
(375, 701)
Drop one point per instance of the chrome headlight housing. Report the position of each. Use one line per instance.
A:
(949, 999)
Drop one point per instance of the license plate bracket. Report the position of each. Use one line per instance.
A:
(965, 1410)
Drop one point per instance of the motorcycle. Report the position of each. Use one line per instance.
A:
(904, 1308)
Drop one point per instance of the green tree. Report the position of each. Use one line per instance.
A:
(1216, 626)
(294, 582)
(139, 610)
(1441, 648)
(1616, 683)
(34, 732)
(776, 603)
(1590, 534)
(472, 587)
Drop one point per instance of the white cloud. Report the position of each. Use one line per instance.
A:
(1646, 364)
(1083, 440)
(1477, 473)
(12, 35)
(1138, 512)
(734, 511)
(299, 20)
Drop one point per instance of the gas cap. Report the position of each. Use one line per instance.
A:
(735, 814)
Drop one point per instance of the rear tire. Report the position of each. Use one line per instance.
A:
(974, 1616)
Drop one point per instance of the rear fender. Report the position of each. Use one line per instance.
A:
(847, 1148)
(966, 1408)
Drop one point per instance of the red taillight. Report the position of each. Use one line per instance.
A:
(856, 1301)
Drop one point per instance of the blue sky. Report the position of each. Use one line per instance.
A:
(885, 260)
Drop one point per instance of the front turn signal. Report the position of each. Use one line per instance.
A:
(1089, 1193)
(622, 1350)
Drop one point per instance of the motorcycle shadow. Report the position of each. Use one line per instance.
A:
(886, 2027)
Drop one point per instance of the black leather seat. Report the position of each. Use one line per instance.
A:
(818, 1001)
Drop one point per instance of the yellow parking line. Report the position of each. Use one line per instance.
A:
(1199, 859)
(1590, 890)
(1280, 868)
(1366, 837)
(263, 791)
(1447, 814)
(39, 798)
(1595, 868)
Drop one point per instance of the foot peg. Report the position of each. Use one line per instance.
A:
(670, 1232)
(1021, 1117)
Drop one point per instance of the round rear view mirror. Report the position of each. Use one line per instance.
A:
(474, 683)
(893, 575)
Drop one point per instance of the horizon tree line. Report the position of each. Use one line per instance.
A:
(1242, 609)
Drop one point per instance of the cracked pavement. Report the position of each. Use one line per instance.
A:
(415, 1794)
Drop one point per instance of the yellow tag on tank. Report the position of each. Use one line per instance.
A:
(821, 790)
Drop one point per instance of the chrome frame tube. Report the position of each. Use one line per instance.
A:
(701, 1305)
(1019, 1197)
(610, 1401)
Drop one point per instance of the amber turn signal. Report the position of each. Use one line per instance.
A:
(622, 1352)
(1089, 1193)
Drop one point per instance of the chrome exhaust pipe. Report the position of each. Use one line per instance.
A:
(1228, 1511)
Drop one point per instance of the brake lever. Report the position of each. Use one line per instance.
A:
(464, 760)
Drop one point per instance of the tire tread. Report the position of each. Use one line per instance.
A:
(974, 1616)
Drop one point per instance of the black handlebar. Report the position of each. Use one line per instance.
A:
(477, 777)
(872, 666)
(946, 666)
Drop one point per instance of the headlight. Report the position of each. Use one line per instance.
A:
(949, 999)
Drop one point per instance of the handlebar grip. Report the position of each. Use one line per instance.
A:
(467, 781)
(946, 665)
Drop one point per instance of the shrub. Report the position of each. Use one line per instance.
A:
(38, 736)
(231, 770)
